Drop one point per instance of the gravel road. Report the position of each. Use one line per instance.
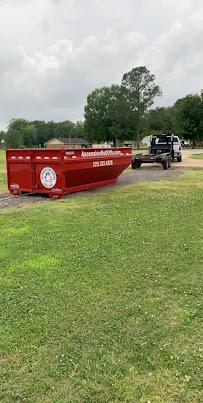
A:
(129, 177)
(146, 174)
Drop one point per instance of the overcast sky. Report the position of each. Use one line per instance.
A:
(54, 52)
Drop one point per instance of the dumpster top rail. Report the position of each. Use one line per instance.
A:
(65, 153)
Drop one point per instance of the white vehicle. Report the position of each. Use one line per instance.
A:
(177, 148)
(185, 143)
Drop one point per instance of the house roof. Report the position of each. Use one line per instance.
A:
(72, 140)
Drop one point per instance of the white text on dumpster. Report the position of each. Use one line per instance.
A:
(102, 163)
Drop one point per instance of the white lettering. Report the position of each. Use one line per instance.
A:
(96, 164)
(101, 153)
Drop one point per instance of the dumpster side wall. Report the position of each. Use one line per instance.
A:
(61, 171)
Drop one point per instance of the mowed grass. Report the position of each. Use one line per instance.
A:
(101, 296)
(3, 177)
(197, 156)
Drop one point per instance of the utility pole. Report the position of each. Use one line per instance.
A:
(69, 139)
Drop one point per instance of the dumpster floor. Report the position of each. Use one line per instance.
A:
(128, 177)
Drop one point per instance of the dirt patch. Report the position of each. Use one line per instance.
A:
(189, 161)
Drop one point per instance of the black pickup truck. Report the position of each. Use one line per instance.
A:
(162, 150)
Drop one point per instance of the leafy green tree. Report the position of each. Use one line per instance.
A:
(79, 129)
(158, 121)
(21, 133)
(139, 89)
(37, 132)
(189, 117)
(2, 135)
(97, 115)
(14, 135)
(106, 117)
(42, 134)
(17, 124)
(14, 138)
(64, 129)
(51, 129)
(29, 135)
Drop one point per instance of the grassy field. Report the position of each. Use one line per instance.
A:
(3, 180)
(197, 156)
(100, 296)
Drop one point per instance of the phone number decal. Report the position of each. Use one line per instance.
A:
(102, 163)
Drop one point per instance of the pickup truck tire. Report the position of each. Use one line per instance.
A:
(169, 162)
(179, 159)
(135, 165)
(165, 163)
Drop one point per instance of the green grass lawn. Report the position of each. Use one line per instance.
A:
(197, 156)
(100, 296)
(3, 178)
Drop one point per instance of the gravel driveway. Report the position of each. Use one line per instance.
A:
(146, 174)
(129, 177)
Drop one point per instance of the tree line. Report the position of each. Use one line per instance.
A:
(23, 133)
(117, 113)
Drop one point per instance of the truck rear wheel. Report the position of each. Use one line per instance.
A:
(138, 165)
(135, 165)
(165, 163)
(179, 158)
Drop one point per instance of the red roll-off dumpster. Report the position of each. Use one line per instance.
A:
(57, 172)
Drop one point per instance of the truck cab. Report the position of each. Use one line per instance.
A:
(166, 143)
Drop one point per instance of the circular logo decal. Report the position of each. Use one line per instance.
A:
(48, 177)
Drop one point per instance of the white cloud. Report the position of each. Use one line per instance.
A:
(54, 52)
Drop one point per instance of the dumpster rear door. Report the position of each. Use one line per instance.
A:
(19, 171)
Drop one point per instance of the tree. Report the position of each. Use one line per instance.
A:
(51, 129)
(159, 120)
(79, 129)
(14, 138)
(41, 132)
(17, 124)
(2, 135)
(106, 117)
(189, 117)
(29, 135)
(22, 133)
(14, 135)
(64, 129)
(139, 89)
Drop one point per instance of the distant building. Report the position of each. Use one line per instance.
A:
(102, 145)
(73, 142)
